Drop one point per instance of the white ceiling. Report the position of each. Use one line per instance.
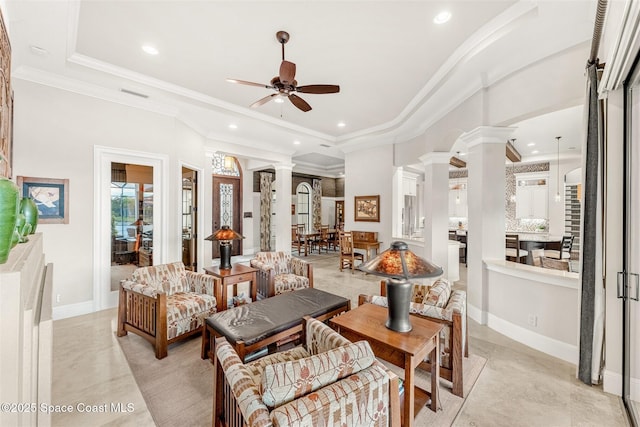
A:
(389, 58)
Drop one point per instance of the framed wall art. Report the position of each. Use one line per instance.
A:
(367, 208)
(51, 197)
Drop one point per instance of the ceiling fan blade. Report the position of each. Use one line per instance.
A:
(287, 72)
(299, 102)
(264, 100)
(318, 89)
(244, 82)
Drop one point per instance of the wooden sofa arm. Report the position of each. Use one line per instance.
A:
(144, 314)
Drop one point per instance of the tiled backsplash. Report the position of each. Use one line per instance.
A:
(511, 222)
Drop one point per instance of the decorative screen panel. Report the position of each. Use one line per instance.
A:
(225, 165)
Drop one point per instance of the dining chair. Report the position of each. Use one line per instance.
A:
(296, 239)
(348, 255)
(555, 264)
(561, 251)
(323, 239)
(512, 250)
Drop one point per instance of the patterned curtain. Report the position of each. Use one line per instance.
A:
(317, 203)
(265, 211)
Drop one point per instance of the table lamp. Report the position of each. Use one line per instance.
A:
(398, 264)
(225, 236)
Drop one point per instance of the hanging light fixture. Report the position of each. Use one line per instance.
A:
(558, 196)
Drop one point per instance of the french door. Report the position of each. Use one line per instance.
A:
(630, 281)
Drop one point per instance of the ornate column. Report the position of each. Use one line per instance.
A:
(486, 223)
(436, 208)
(282, 217)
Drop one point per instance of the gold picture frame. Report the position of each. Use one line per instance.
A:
(367, 208)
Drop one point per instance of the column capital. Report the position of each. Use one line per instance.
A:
(487, 135)
(284, 166)
(436, 158)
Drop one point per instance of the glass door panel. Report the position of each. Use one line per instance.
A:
(189, 219)
(131, 220)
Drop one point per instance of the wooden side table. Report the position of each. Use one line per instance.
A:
(238, 273)
(403, 349)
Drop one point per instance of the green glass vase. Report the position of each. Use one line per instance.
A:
(9, 207)
(30, 211)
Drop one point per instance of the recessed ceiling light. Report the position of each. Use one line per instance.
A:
(150, 49)
(442, 17)
(296, 142)
(534, 152)
(463, 154)
(278, 100)
(233, 126)
(341, 124)
(531, 144)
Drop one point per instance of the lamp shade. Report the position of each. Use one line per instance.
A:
(398, 264)
(225, 233)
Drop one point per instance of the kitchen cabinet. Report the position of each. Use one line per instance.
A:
(532, 196)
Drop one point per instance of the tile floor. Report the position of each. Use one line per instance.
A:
(518, 387)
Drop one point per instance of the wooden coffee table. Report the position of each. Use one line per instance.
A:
(403, 349)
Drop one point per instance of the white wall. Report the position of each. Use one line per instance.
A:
(369, 173)
(538, 309)
(54, 136)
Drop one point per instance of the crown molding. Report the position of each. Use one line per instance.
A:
(58, 81)
(95, 64)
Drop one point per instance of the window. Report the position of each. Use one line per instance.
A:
(303, 207)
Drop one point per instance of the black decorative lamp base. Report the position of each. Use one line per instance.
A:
(398, 300)
(225, 256)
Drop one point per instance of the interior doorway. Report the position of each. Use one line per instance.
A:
(227, 199)
(190, 218)
(150, 200)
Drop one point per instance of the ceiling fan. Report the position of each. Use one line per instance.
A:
(285, 84)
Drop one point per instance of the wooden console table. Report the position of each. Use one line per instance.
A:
(366, 240)
(404, 349)
(238, 273)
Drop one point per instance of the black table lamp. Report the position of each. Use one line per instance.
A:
(225, 236)
(398, 264)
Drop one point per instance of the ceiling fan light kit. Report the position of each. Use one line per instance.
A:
(285, 83)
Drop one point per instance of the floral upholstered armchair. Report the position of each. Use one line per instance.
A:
(280, 272)
(165, 303)
(328, 382)
(439, 303)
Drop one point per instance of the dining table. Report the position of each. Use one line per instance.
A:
(533, 241)
(311, 236)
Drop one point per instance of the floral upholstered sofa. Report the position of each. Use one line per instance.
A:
(328, 382)
(165, 303)
(438, 303)
(280, 272)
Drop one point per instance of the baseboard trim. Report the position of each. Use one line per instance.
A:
(73, 310)
(612, 383)
(550, 346)
(476, 314)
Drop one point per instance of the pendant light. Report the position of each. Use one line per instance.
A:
(558, 196)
